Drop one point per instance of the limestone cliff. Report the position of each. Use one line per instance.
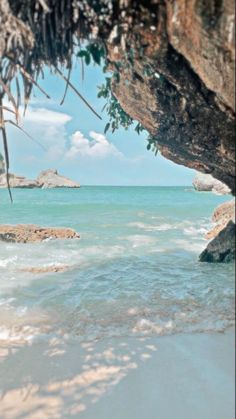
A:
(187, 103)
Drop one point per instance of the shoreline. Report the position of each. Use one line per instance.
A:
(184, 376)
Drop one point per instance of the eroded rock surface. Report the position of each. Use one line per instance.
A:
(29, 233)
(203, 182)
(222, 247)
(186, 102)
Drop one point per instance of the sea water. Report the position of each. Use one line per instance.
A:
(134, 271)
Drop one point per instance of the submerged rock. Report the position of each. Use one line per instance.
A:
(222, 247)
(205, 182)
(29, 233)
(17, 182)
(46, 269)
(51, 179)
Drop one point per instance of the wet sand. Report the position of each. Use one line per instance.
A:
(169, 377)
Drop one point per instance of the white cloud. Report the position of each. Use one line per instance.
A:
(46, 116)
(97, 146)
(48, 127)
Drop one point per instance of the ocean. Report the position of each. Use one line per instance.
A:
(134, 272)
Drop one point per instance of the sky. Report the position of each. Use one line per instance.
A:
(74, 141)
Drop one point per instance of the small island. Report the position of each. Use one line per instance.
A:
(47, 179)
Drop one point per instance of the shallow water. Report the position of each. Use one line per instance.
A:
(134, 272)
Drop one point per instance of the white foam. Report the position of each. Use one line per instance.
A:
(150, 227)
(7, 261)
(190, 246)
(138, 240)
(194, 231)
(146, 326)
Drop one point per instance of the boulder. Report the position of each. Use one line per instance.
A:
(221, 216)
(17, 181)
(51, 179)
(222, 247)
(29, 233)
(205, 182)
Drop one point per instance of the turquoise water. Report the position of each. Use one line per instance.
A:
(134, 271)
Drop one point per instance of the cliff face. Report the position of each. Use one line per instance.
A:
(187, 103)
(178, 74)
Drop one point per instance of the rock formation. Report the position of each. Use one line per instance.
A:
(29, 233)
(203, 182)
(51, 179)
(47, 179)
(222, 247)
(222, 215)
(17, 182)
(187, 101)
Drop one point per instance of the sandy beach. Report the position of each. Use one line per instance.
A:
(180, 376)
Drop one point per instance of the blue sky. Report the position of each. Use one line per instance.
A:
(75, 143)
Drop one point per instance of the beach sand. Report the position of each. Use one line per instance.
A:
(168, 377)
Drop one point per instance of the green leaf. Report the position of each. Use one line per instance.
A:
(107, 127)
(82, 53)
(87, 58)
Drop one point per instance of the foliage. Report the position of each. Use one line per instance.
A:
(94, 52)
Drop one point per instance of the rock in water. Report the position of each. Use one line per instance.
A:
(17, 181)
(222, 215)
(46, 269)
(51, 179)
(205, 182)
(47, 179)
(29, 233)
(222, 247)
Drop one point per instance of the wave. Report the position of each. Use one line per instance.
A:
(8, 261)
(138, 240)
(150, 227)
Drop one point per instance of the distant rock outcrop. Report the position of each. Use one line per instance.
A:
(29, 233)
(51, 179)
(205, 182)
(17, 181)
(47, 179)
